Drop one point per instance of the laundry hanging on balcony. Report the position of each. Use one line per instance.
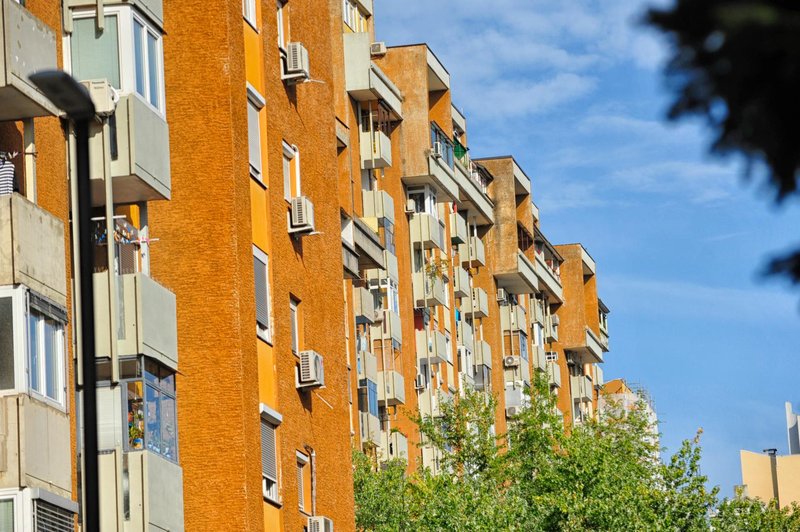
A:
(6, 174)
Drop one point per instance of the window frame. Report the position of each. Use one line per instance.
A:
(250, 13)
(291, 181)
(41, 355)
(125, 45)
(256, 102)
(294, 323)
(303, 462)
(20, 315)
(265, 331)
(159, 57)
(273, 493)
(15, 496)
(281, 25)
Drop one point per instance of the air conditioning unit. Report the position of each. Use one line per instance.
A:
(377, 49)
(419, 382)
(502, 296)
(312, 370)
(512, 411)
(297, 64)
(318, 523)
(511, 361)
(438, 150)
(302, 215)
(104, 96)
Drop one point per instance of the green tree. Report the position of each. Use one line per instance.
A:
(736, 63)
(741, 514)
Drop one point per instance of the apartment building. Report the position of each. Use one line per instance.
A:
(37, 407)
(295, 253)
(582, 335)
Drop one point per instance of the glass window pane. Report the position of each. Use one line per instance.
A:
(52, 341)
(135, 416)
(152, 69)
(151, 372)
(293, 318)
(138, 56)
(6, 514)
(6, 344)
(33, 351)
(287, 178)
(168, 382)
(169, 428)
(95, 55)
(153, 419)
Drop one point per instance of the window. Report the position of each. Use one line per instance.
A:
(6, 345)
(255, 102)
(424, 199)
(523, 346)
(291, 172)
(551, 356)
(282, 20)
(147, 62)
(7, 514)
(269, 461)
(295, 323)
(353, 16)
(446, 145)
(49, 517)
(151, 411)
(46, 355)
(249, 12)
(304, 502)
(391, 295)
(95, 54)
(127, 51)
(263, 302)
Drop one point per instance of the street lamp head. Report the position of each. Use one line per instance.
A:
(65, 92)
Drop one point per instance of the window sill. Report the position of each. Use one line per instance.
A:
(264, 338)
(257, 178)
(276, 504)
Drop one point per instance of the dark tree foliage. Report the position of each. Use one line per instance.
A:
(737, 64)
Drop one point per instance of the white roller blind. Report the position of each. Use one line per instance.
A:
(262, 303)
(95, 54)
(254, 138)
(269, 464)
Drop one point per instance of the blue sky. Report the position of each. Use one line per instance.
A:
(573, 89)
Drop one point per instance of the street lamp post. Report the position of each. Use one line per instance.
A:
(73, 98)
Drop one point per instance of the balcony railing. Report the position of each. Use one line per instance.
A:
(432, 345)
(378, 204)
(427, 230)
(550, 277)
(32, 248)
(478, 307)
(458, 228)
(376, 150)
(391, 388)
(428, 290)
(472, 253)
(554, 374)
(367, 367)
(461, 282)
(581, 388)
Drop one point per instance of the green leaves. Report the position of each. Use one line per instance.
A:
(605, 475)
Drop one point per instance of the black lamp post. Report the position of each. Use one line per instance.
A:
(73, 98)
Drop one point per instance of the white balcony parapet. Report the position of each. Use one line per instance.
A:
(472, 253)
(391, 388)
(427, 230)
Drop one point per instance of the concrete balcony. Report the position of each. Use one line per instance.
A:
(35, 449)
(368, 245)
(378, 204)
(599, 378)
(141, 169)
(388, 328)
(515, 396)
(370, 428)
(473, 253)
(549, 281)
(551, 328)
(391, 388)
(428, 291)
(483, 354)
(432, 345)
(146, 319)
(522, 279)
(398, 446)
(26, 45)
(32, 248)
(554, 374)
(389, 272)
(465, 334)
(155, 491)
(367, 366)
(479, 307)
(364, 81)
(350, 261)
(603, 338)
(482, 379)
(513, 318)
(376, 150)
(439, 176)
(430, 403)
(461, 282)
(535, 212)
(472, 195)
(458, 229)
(590, 351)
(539, 358)
(581, 388)
(364, 306)
(427, 231)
